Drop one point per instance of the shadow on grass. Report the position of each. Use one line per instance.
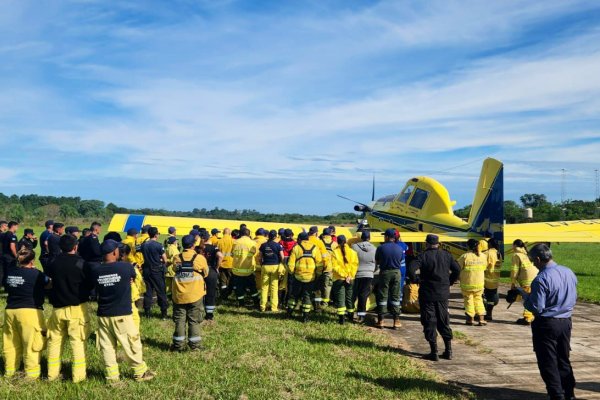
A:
(401, 383)
(157, 344)
(320, 317)
(499, 393)
(365, 344)
(589, 386)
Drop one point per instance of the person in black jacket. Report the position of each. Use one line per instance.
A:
(53, 242)
(438, 271)
(89, 247)
(29, 241)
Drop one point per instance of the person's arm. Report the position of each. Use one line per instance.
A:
(34, 243)
(514, 270)
(200, 265)
(220, 256)
(454, 270)
(95, 248)
(536, 301)
(378, 257)
(259, 256)
(13, 246)
(353, 263)
(291, 265)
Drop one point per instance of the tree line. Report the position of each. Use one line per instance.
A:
(34, 210)
(543, 210)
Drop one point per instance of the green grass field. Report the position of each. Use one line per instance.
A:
(582, 258)
(250, 355)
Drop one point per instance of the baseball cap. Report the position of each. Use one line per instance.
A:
(365, 235)
(390, 232)
(172, 230)
(432, 239)
(108, 246)
(214, 231)
(72, 229)
(132, 232)
(313, 229)
(261, 232)
(327, 231)
(49, 223)
(145, 228)
(171, 239)
(188, 241)
(28, 231)
(303, 236)
(204, 235)
(194, 232)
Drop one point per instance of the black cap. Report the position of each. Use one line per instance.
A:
(145, 228)
(28, 231)
(108, 246)
(365, 235)
(327, 232)
(204, 235)
(390, 232)
(432, 239)
(188, 241)
(312, 230)
(132, 232)
(214, 231)
(171, 239)
(49, 223)
(72, 229)
(303, 236)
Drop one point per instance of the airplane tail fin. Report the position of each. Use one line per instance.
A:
(487, 212)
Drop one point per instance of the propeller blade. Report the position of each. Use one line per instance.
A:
(354, 201)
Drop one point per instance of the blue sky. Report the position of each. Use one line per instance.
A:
(279, 106)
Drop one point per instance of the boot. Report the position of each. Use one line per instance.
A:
(256, 302)
(241, 303)
(147, 313)
(469, 320)
(433, 355)
(304, 317)
(341, 319)
(397, 323)
(488, 312)
(164, 316)
(448, 349)
(482, 321)
(360, 320)
(379, 323)
(350, 317)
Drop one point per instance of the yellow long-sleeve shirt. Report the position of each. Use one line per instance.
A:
(472, 271)
(325, 256)
(132, 256)
(522, 272)
(244, 256)
(494, 266)
(188, 286)
(172, 252)
(305, 262)
(141, 239)
(225, 245)
(344, 269)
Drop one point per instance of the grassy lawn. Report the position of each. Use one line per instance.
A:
(582, 258)
(256, 356)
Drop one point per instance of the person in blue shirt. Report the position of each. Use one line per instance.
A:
(553, 296)
(388, 258)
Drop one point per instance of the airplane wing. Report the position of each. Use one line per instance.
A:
(582, 231)
(124, 222)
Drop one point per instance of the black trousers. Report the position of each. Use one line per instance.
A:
(490, 297)
(212, 283)
(243, 284)
(154, 278)
(361, 292)
(552, 346)
(435, 318)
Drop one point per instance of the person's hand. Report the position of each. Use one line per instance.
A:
(348, 279)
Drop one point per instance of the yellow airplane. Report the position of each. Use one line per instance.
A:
(422, 207)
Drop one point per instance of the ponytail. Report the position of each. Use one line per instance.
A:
(342, 243)
(473, 245)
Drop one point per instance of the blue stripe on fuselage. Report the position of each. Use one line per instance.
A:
(134, 221)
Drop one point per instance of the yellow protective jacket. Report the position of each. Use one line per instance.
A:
(214, 240)
(244, 256)
(305, 262)
(138, 286)
(341, 269)
(326, 257)
(494, 266)
(522, 271)
(259, 241)
(225, 245)
(472, 271)
(141, 239)
(132, 257)
(188, 286)
(172, 251)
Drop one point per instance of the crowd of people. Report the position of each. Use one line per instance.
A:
(274, 271)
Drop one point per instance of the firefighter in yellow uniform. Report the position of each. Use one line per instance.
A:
(327, 278)
(345, 265)
(214, 236)
(472, 281)
(138, 287)
(225, 246)
(172, 252)
(244, 264)
(492, 278)
(139, 241)
(270, 259)
(70, 318)
(112, 279)
(189, 289)
(259, 238)
(24, 332)
(305, 265)
(522, 273)
(324, 280)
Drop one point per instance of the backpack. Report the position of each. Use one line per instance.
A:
(185, 269)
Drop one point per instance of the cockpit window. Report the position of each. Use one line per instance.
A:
(419, 198)
(386, 199)
(405, 195)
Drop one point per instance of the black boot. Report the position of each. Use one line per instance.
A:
(241, 303)
(341, 319)
(209, 316)
(448, 349)
(488, 312)
(433, 355)
(304, 317)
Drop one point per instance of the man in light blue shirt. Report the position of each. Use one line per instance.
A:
(553, 296)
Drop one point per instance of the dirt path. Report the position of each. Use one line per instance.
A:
(497, 361)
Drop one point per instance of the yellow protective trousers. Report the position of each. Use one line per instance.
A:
(72, 322)
(24, 336)
(122, 330)
(269, 286)
(528, 315)
(473, 302)
(135, 313)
